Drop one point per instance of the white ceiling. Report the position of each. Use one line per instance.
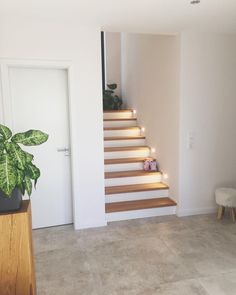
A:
(157, 16)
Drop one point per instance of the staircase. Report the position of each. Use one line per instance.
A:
(130, 192)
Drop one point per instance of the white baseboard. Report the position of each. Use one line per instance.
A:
(195, 211)
(90, 225)
(135, 214)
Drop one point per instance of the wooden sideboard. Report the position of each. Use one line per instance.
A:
(17, 273)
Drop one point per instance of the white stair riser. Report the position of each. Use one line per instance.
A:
(127, 154)
(132, 180)
(130, 132)
(118, 115)
(137, 196)
(129, 123)
(144, 213)
(125, 142)
(124, 167)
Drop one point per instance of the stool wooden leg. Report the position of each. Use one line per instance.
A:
(221, 211)
(232, 214)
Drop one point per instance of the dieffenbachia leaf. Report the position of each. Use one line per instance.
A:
(30, 138)
(8, 174)
(16, 153)
(28, 185)
(21, 186)
(20, 177)
(2, 147)
(32, 171)
(29, 158)
(5, 132)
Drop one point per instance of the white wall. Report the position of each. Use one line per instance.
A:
(208, 88)
(113, 59)
(150, 84)
(208, 111)
(42, 40)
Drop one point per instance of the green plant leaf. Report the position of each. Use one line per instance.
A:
(29, 158)
(5, 132)
(30, 138)
(2, 147)
(8, 175)
(108, 92)
(112, 86)
(16, 153)
(32, 171)
(28, 186)
(35, 183)
(20, 177)
(22, 188)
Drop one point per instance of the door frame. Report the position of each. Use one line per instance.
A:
(6, 111)
(103, 57)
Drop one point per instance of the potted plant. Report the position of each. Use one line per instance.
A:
(111, 101)
(17, 170)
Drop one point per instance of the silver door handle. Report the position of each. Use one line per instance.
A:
(63, 150)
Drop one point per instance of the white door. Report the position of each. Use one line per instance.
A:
(40, 101)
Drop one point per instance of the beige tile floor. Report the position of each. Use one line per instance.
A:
(164, 255)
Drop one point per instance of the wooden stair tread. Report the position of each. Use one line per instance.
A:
(121, 128)
(121, 119)
(118, 111)
(107, 138)
(131, 188)
(125, 148)
(139, 204)
(131, 173)
(125, 160)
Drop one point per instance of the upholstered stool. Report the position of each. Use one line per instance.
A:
(226, 198)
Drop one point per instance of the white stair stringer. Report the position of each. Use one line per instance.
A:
(137, 196)
(144, 213)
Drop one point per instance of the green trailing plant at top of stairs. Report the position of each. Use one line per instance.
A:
(16, 165)
(111, 101)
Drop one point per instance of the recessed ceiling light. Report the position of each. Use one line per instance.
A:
(195, 1)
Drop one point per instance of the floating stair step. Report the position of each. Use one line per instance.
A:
(134, 196)
(121, 119)
(125, 160)
(111, 190)
(124, 137)
(131, 177)
(125, 148)
(118, 114)
(114, 141)
(121, 128)
(132, 173)
(122, 122)
(139, 205)
(142, 213)
(123, 164)
(122, 131)
(117, 111)
(126, 152)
